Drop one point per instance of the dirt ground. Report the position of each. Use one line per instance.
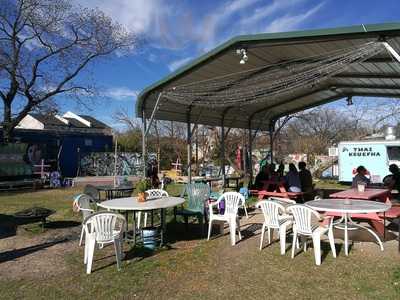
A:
(34, 256)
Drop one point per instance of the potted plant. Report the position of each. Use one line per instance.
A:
(142, 186)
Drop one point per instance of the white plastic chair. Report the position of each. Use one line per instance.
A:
(151, 194)
(274, 218)
(305, 224)
(82, 203)
(232, 202)
(245, 192)
(103, 228)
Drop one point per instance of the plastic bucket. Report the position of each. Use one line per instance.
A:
(150, 238)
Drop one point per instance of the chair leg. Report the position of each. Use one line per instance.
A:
(282, 238)
(238, 228)
(332, 241)
(245, 210)
(295, 241)
(145, 219)
(269, 235)
(317, 248)
(232, 232)
(262, 236)
(91, 245)
(82, 234)
(305, 244)
(209, 229)
(85, 255)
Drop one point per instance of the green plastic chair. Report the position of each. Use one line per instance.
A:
(197, 195)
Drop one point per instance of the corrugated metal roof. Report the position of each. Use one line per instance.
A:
(378, 76)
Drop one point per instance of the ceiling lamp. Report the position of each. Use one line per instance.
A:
(243, 53)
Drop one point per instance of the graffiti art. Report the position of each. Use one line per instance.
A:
(102, 164)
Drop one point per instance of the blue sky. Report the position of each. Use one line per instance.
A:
(178, 31)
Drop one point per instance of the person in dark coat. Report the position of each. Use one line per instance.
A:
(306, 180)
(263, 175)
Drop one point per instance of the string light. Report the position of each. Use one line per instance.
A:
(270, 81)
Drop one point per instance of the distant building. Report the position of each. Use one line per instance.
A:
(62, 140)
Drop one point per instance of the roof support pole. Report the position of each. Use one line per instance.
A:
(222, 154)
(223, 137)
(271, 139)
(189, 145)
(250, 154)
(144, 142)
(153, 113)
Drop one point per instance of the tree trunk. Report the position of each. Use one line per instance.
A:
(7, 123)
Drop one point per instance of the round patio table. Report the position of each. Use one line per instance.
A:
(347, 207)
(132, 204)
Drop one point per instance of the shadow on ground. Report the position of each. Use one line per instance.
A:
(8, 226)
(17, 253)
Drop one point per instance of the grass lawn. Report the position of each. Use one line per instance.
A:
(189, 267)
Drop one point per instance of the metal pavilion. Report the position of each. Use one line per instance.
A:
(198, 92)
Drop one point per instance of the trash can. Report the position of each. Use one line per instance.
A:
(150, 238)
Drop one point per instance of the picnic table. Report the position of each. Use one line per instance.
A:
(277, 189)
(368, 194)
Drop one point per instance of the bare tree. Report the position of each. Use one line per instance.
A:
(44, 46)
(123, 117)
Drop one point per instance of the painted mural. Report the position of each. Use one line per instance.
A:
(102, 164)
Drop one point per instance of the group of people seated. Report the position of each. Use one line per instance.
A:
(391, 181)
(294, 180)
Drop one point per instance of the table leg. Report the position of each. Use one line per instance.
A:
(346, 238)
(126, 225)
(369, 230)
(162, 226)
(134, 228)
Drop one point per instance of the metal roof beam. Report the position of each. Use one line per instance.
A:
(375, 95)
(368, 75)
(288, 101)
(295, 110)
(367, 86)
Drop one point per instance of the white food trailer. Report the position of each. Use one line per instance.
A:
(375, 156)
